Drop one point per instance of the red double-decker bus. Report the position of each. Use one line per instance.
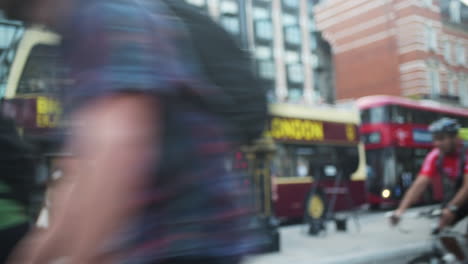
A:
(396, 138)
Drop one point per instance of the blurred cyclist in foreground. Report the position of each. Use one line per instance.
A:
(446, 165)
(17, 166)
(148, 176)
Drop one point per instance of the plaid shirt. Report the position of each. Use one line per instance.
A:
(195, 207)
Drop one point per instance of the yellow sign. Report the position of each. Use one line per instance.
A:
(296, 129)
(48, 112)
(350, 132)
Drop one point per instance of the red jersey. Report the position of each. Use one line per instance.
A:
(450, 164)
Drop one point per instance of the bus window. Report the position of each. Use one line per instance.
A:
(349, 159)
(283, 163)
(424, 117)
(318, 161)
(375, 115)
(419, 156)
(381, 169)
(400, 115)
(43, 72)
(463, 121)
(404, 167)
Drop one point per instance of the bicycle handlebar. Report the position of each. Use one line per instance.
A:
(431, 214)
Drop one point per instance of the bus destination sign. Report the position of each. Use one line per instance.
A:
(303, 130)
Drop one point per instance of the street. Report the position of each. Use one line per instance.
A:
(376, 242)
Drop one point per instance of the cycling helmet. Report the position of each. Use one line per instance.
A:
(445, 126)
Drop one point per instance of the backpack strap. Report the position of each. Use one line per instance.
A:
(461, 171)
(439, 165)
(445, 179)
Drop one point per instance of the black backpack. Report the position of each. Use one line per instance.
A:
(17, 164)
(227, 66)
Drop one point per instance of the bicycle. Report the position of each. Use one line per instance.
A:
(448, 246)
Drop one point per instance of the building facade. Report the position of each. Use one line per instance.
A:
(292, 58)
(414, 48)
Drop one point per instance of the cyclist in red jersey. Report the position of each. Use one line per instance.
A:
(446, 166)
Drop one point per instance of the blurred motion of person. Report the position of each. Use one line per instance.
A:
(447, 166)
(16, 179)
(56, 192)
(148, 147)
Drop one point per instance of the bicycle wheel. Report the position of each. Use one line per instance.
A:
(427, 258)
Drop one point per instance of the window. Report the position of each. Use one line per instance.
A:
(462, 86)
(314, 61)
(231, 24)
(294, 94)
(263, 52)
(463, 90)
(312, 25)
(295, 73)
(266, 65)
(461, 56)
(291, 57)
(260, 13)
(229, 7)
(196, 2)
(454, 10)
(400, 115)
(266, 69)
(447, 51)
(43, 72)
(318, 161)
(372, 138)
(290, 20)
(264, 29)
(313, 41)
(379, 114)
(293, 35)
(434, 83)
(291, 3)
(424, 117)
(431, 38)
(311, 6)
(451, 84)
(375, 115)
(8, 42)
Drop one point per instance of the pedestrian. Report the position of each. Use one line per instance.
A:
(149, 183)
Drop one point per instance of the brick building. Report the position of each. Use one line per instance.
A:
(415, 48)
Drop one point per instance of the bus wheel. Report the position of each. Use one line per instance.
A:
(315, 211)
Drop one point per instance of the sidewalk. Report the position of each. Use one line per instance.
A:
(376, 242)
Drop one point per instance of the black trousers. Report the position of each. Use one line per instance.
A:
(9, 238)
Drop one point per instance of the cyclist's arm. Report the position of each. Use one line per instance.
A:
(413, 193)
(462, 195)
(428, 170)
(114, 149)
